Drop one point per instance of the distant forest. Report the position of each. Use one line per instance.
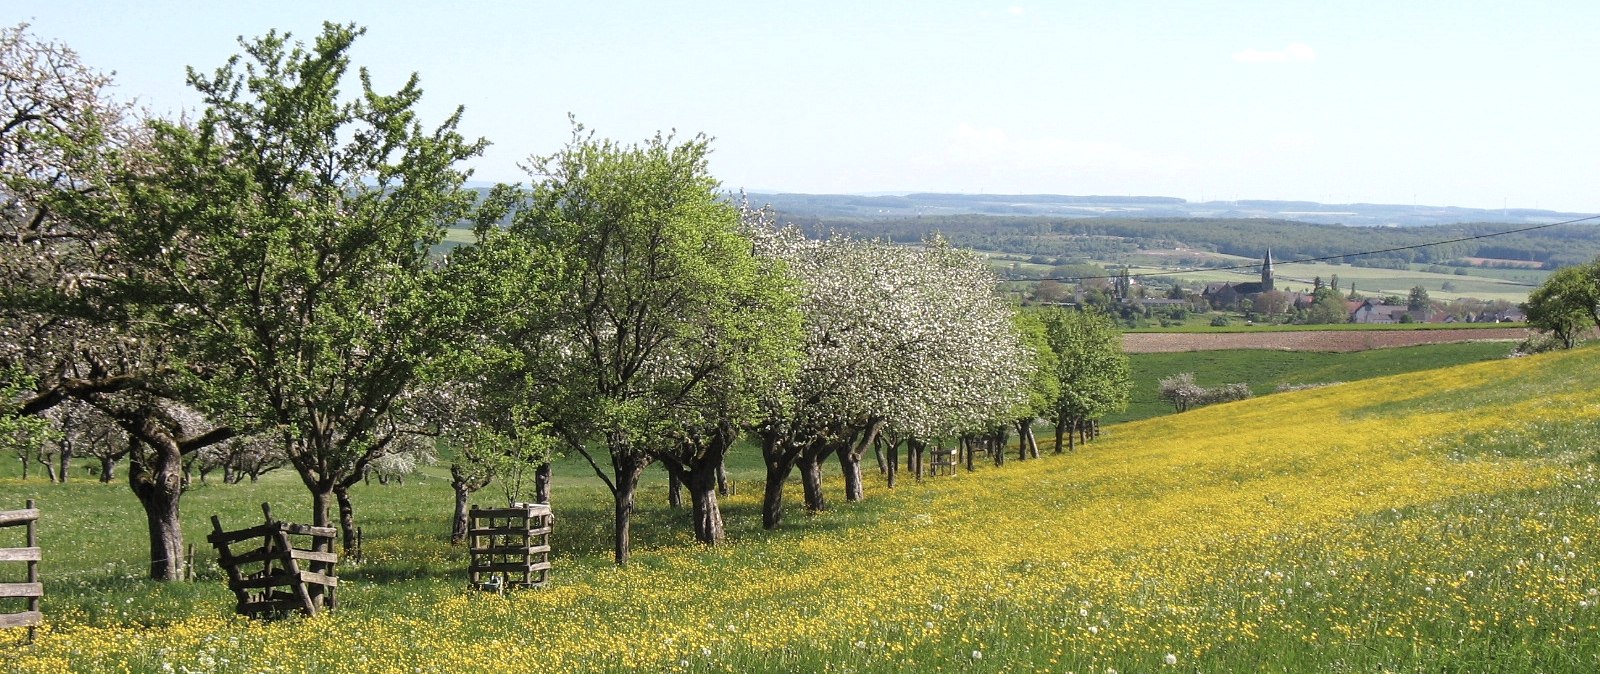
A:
(1107, 238)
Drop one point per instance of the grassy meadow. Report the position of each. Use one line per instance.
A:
(1264, 370)
(1430, 521)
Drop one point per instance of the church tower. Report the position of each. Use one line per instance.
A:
(1266, 273)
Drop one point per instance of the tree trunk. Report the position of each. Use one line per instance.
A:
(1061, 427)
(850, 456)
(627, 466)
(674, 490)
(779, 460)
(772, 498)
(914, 449)
(24, 456)
(66, 461)
(724, 487)
(877, 453)
(50, 471)
(230, 475)
(1072, 434)
(108, 468)
(458, 520)
(893, 462)
(850, 467)
(970, 448)
(627, 483)
(810, 465)
(997, 442)
(699, 475)
(347, 521)
(708, 527)
(156, 479)
(542, 478)
(321, 507)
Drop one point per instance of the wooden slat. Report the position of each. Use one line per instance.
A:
(513, 550)
(536, 510)
(23, 619)
(263, 554)
(318, 578)
(284, 578)
(21, 589)
(274, 580)
(518, 567)
(308, 530)
(257, 531)
(16, 518)
(19, 554)
(507, 531)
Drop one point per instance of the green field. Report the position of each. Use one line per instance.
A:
(1264, 370)
(1511, 285)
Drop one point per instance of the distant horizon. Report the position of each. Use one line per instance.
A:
(904, 192)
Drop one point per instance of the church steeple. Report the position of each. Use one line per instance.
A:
(1266, 272)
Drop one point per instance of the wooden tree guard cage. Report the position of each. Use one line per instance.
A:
(509, 547)
(291, 571)
(33, 589)
(943, 460)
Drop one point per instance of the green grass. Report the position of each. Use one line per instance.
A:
(1264, 370)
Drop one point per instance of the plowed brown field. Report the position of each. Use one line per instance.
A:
(1310, 340)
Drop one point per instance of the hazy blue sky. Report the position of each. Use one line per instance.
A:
(1456, 102)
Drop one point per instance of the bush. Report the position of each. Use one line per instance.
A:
(1539, 343)
(1219, 321)
(1181, 391)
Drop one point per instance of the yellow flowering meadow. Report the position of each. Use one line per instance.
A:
(1430, 521)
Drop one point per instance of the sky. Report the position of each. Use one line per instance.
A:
(1457, 103)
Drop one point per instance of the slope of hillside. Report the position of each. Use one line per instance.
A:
(1430, 521)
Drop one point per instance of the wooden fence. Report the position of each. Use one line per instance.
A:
(292, 570)
(33, 589)
(509, 547)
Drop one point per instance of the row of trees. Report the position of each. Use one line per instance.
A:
(257, 281)
(1109, 238)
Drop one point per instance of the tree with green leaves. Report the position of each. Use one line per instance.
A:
(1043, 382)
(1417, 300)
(668, 325)
(280, 243)
(63, 139)
(1093, 370)
(1567, 304)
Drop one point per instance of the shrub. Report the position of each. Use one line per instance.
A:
(1181, 391)
(1538, 343)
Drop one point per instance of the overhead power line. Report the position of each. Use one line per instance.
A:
(1325, 257)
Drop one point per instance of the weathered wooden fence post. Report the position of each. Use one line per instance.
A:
(290, 578)
(33, 589)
